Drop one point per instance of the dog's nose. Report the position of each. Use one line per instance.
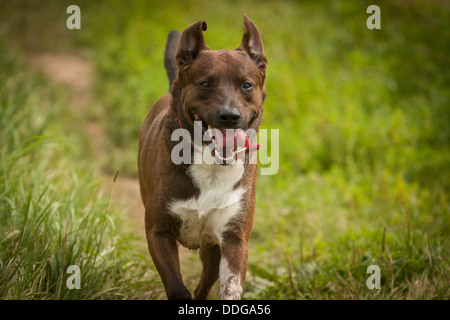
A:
(229, 116)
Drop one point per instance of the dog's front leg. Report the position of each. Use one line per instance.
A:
(210, 257)
(233, 267)
(164, 251)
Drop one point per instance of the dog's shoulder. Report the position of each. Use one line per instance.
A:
(155, 120)
(158, 110)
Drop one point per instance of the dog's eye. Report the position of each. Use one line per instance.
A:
(247, 86)
(205, 85)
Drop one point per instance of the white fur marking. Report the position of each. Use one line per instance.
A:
(230, 283)
(204, 218)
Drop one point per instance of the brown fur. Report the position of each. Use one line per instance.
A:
(162, 181)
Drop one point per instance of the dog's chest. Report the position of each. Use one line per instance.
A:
(204, 219)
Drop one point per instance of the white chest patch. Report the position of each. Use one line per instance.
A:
(204, 218)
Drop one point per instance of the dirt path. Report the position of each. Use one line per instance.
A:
(76, 74)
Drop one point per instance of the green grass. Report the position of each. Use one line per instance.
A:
(52, 212)
(364, 120)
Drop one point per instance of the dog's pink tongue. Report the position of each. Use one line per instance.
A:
(232, 140)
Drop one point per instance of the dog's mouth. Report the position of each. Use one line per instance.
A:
(227, 144)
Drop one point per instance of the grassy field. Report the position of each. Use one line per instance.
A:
(364, 122)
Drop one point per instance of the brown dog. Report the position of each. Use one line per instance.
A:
(203, 206)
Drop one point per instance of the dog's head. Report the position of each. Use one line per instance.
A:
(222, 88)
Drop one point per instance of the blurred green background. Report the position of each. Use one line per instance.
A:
(364, 122)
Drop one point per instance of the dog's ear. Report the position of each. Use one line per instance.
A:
(191, 44)
(253, 45)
